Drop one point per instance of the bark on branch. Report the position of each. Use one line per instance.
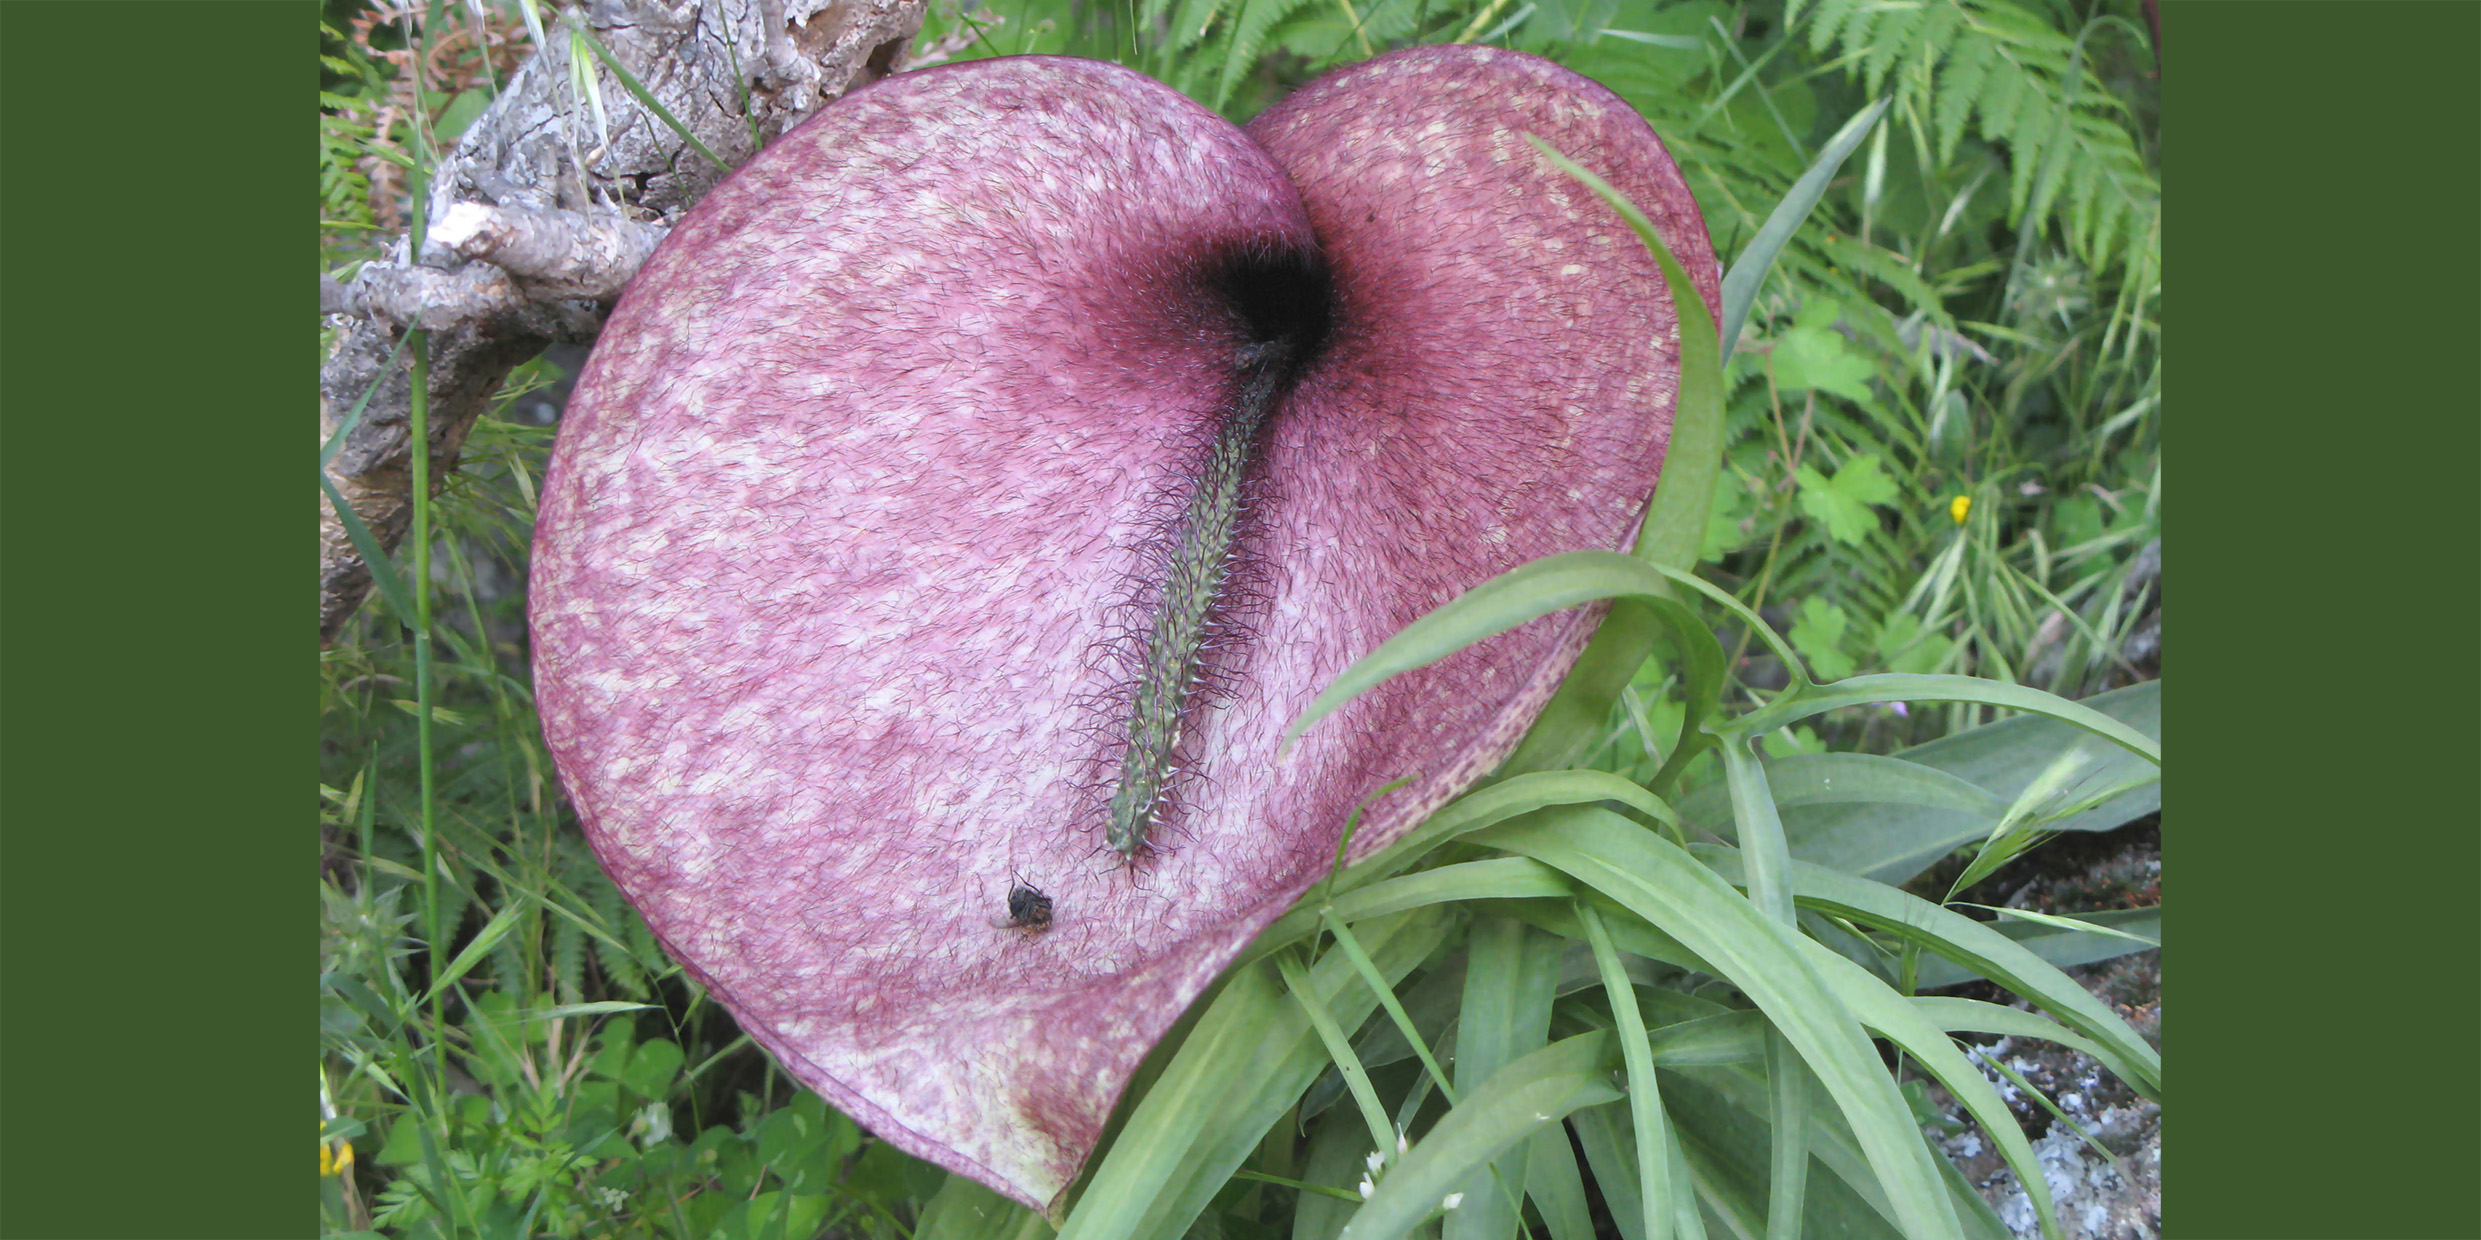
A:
(539, 217)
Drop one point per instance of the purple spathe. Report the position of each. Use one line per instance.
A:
(868, 472)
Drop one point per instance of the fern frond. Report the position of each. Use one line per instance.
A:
(2025, 82)
(1968, 68)
(1192, 22)
(1249, 41)
(1828, 21)
(1895, 32)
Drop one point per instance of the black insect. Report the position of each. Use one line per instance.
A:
(1028, 908)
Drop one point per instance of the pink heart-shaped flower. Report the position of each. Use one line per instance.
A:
(850, 587)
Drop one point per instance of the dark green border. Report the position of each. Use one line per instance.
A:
(2324, 181)
(153, 1016)
(155, 917)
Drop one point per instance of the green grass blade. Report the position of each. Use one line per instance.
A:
(1810, 700)
(1748, 272)
(1652, 1179)
(1769, 862)
(1510, 983)
(2061, 923)
(353, 417)
(1527, 592)
(489, 937)
(1241, 1067)
(1900, 1022)
(645, 98)
(1350, 944)
(1557, 1190)
(1668, 888)
(1958, 938)
(2057, 947)
(1611, 1154)
(1974, 1016)
(1675, 523)
(1503, 878)
(383, 574)
(1339, 1048)
(1498, 802)
(1335, 1161)
(1787, 1174)
(1516, 1102)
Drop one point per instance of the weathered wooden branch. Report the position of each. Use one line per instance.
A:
(539, 217)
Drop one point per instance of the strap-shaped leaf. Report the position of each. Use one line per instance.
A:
(1805, 701)
(1748, 272)
(1498, 803)
(1244, 1063)
(1963, 940)
(1527, 592)
(1516, 1102)
(1657, 881)
(1503, 878)
(1912, 1029)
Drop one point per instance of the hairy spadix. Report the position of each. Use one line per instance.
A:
(1017, 438)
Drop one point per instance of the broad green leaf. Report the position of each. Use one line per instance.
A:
(1843, 503)
(1812, 356)
(1895, 825)
(1668, 888)
(1904, 647)
(1818, 633)
(1837, 779)
(1516, 1102)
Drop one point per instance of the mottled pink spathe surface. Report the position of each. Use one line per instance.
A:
(829, 574)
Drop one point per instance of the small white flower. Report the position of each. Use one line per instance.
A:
(1367, 1188)
(1375, 1161)
(1451, 1201)
(1403, 1146)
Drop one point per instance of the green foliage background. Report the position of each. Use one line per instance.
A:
(1941, 430)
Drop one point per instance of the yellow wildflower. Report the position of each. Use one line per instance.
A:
(334, 1157)
(1960, 507)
